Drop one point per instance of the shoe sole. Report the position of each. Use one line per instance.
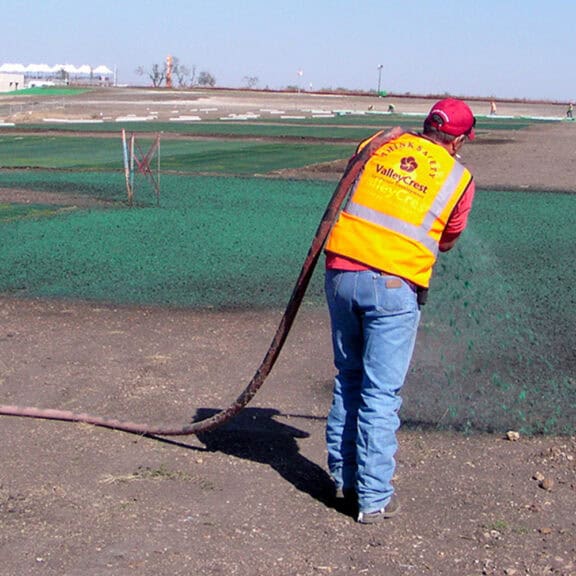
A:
(375, 517)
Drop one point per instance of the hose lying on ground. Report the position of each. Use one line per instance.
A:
(352, 171)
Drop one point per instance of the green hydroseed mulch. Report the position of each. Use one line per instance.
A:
(503, 301)
(494, 351)
(96, 185)
(236, 229)
(12, 212)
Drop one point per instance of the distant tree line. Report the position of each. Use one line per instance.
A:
(182, 76)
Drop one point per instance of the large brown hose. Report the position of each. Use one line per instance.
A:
(351, 173)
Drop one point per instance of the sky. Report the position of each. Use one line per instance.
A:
(485, 48)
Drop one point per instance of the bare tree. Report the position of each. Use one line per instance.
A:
(250, 81)
(192, 76)
(181, 73)
(157, 73)
(206, 79)
(184, 75)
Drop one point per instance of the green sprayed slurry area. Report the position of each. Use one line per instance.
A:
(12, 212)
(94, 185)
(494, 351)
(214, 242)
(503, 306)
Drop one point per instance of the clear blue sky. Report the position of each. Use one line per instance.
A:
(500, 48)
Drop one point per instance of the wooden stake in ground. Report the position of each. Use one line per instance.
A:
(127, 170)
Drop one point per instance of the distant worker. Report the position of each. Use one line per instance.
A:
(570, 111)
(391, 108)
(410, 202)
(493, 110)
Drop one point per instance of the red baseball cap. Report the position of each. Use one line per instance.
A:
(453, 117)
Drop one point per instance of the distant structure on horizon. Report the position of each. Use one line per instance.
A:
(18, 76)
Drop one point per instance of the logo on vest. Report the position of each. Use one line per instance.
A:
(408, 164)
(427, 157)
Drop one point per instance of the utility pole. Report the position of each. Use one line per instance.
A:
(380, 66)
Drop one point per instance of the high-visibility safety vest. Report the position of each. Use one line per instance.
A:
(399, 207)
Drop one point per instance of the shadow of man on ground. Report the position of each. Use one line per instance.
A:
(256, 435)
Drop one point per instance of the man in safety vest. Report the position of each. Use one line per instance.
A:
(410, 202)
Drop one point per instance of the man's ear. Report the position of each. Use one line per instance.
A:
(456, 144)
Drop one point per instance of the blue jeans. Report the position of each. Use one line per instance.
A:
(374, 323)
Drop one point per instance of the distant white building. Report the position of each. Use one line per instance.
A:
(11, 82)
(62, 74)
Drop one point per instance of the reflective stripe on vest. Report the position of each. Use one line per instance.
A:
(418, 233)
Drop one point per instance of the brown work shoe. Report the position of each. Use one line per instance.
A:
(345, 494)
(391, 509)
(346, 501)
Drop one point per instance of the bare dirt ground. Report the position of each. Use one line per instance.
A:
(253, 497)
